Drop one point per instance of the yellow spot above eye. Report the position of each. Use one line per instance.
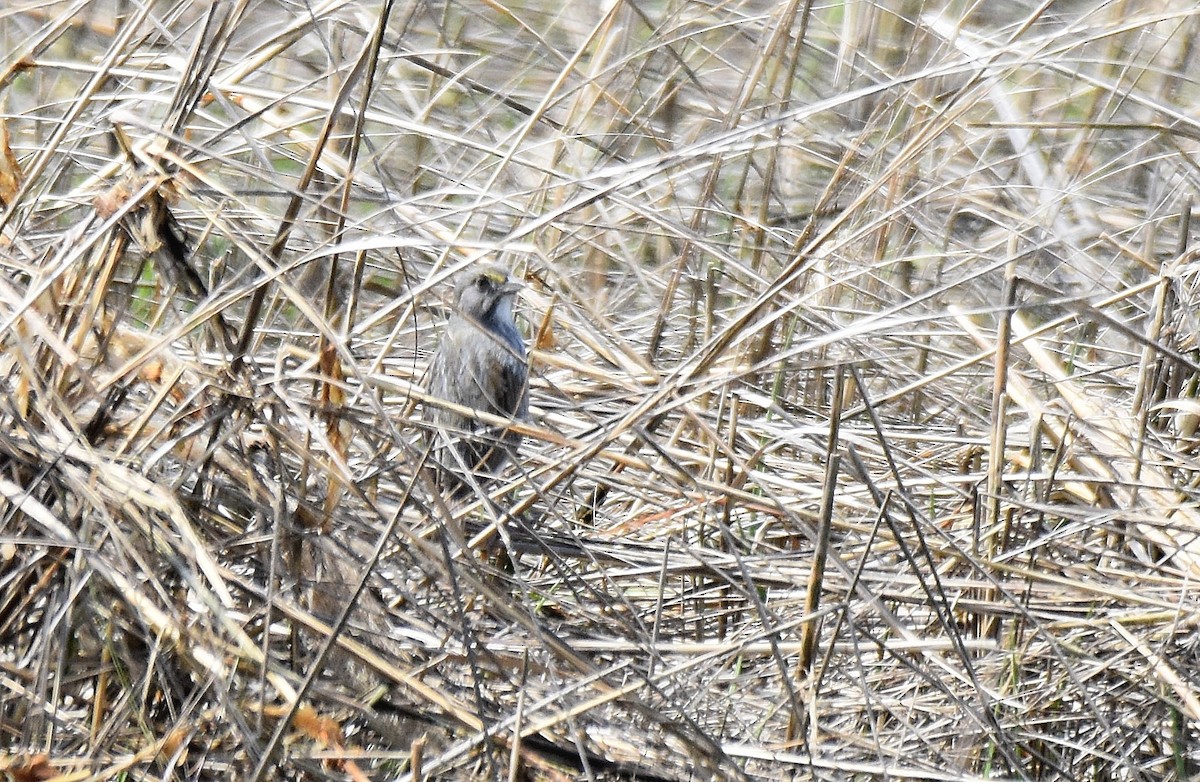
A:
(496, 276)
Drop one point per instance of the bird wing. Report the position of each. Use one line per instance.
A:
(512, 397)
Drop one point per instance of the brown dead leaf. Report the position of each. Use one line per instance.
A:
(28, 769)
(323, 730)
(173, 741)
(10, 169)
(152, 372)
(108, 202)
(545, 334)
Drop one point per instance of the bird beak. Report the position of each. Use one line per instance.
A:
(511, 288)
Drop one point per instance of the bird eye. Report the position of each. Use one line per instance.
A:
(482, 282)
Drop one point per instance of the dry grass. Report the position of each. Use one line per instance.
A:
(864, 378)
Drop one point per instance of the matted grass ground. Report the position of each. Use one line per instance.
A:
(863, 377)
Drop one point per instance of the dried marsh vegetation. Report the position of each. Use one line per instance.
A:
(864, 376)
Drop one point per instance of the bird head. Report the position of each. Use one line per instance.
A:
(485, 294)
